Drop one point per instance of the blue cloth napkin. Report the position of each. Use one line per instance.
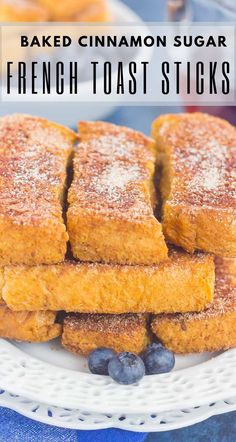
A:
(17, 428)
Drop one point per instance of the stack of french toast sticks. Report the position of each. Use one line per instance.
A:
(82, 252)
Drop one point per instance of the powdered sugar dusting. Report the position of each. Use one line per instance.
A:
(33, 158)
(113, 145)
(115, 179)
(203, 157)
(211, 181)
(112, 173)
(209, 168)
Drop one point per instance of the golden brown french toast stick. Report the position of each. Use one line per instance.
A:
(22, 11)
(198, 156)
(34, 154)
(182, 283)
(111, 199)
(82, 333)
(210, 330)
(28, 326)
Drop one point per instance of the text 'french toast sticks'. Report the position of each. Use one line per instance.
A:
(111, 199)
(28, 326)
(34, 155)
(82, 333)
(182, 283)
(210, 330)
(198, 156)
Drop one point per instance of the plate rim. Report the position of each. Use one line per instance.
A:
(19, 362)
(218, 409)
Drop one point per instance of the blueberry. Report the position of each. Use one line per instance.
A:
(126, 368)
(158, 359)
(153, 346)
(98, 360)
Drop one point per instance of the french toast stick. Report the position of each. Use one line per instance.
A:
(22, 11)
(110, 216)
(198, 156)
(182, 283)
(34, 154)
(210, 330)
(63, 11)
(28, 326)
(82, 333)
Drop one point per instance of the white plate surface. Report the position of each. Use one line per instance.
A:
(47, 374)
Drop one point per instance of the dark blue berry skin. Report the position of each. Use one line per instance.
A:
(126, 368)
(98, 360)
(153, 346)
(158, 359)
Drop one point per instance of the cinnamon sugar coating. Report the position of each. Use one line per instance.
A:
(82, 333)
(34, 154)
(198, 156)
(209, 330)
(111, 199)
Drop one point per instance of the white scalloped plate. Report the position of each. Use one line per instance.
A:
(79, 420)
(47, 374)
